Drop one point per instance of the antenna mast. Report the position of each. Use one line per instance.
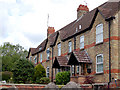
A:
(47, 20)
(85, 3)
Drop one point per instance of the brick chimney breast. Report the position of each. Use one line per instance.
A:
(81, 10)
(50, 31)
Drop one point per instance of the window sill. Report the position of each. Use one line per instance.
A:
(81, 49)
(98, 43)
(99, 73)
(47, 60)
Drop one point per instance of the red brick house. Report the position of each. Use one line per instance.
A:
(88, 46)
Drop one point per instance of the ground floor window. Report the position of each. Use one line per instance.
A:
(99, 63)
(47, 71)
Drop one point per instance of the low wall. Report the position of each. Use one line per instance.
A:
(22, 86)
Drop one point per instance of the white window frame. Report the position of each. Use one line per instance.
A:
(69, 46)
(47, 71)
(72, 69)
(59, 49)
(35, 59)
(78, 69)
(41, 57)
(59, 70)
(82, 42)
(98, 63)
(30, 58)
(99, 33)
(48, 55)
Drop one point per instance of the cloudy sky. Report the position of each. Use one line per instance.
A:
(24, 22)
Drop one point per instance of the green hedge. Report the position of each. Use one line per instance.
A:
(44, 80)
(62, 78)
(7, 75)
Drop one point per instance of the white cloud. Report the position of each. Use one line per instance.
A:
(25, 21)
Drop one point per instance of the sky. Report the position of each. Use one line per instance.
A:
(25, 22)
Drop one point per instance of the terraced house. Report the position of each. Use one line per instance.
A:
(88, 46)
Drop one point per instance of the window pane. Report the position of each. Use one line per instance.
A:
(100, 68)
(70, 46)
(99, 59)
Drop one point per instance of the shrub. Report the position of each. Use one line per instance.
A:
(23, 72)
(39, 73)
(44, 80)
(62, 78)
(7, 75)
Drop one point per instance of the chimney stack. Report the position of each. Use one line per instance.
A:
(50, 31)
(81, 10)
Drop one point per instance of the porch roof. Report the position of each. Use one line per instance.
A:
(60, 61)
(78, 57)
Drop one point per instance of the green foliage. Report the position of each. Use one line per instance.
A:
(10, 54)
(44, 80)
(23, 71)
(62, 78)
(7, 75)
(39, 72)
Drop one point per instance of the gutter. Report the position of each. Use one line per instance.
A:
(52, 66)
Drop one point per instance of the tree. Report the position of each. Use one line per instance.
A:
(23, 71)
(10, 54)
(39, 73)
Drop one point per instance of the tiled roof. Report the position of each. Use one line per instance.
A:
(61, 61)
(52, 38)
(109, 9)
(32, 50)
(42, 46)
(82, 56)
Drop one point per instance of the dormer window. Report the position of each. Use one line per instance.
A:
(80, 26)
(76, 29)
(40, 48)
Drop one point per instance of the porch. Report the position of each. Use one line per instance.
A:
(80, 67)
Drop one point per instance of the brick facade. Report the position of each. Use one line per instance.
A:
(90, 46)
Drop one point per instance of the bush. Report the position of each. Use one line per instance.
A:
(44, 80)
(7, 75)
(23, 72)
(62, 78)
(39, 73)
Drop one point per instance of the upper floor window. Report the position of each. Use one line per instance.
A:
(48, 54)
(99, 33)
(70, 46)
(40, 57)
(47, 71)
(59, 49)
(30, 58)
(99, 63)
(35, 59)
(81, 42)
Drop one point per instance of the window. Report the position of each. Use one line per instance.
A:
(81, 42)
(30, 58)
(59, 49)
(47, 72)
(76, 29)
(99, 33)
(58, 69)
(40, 57)
(35, 59)
(77, 69)
(70, 46)
(48, 54)
(72, 68)
(40, 48)
(80, 26)
(99, 63)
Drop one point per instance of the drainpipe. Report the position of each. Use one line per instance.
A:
(74, 42)
(109, 25)
(52, 67)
